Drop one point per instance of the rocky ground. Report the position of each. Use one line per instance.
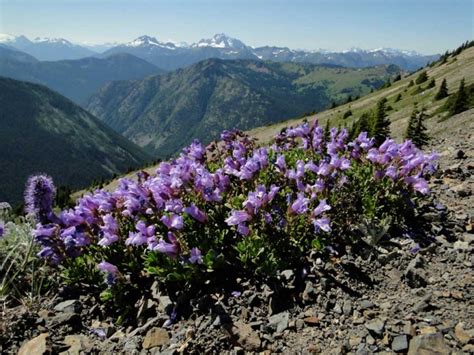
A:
(411, 295)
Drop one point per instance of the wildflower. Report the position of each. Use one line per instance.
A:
(322, 207)
(322, 224)
(2, 228)
(237, 217)
(196, 213)
(300, 205)
(170, 248)
(39, 196)
(173, 221)
(196, 257)
(104, 266)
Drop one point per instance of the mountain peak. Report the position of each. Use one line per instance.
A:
(222, 41)
(148, 41)
(49, 40)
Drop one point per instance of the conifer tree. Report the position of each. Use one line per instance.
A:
(443, 91)
(421, 137)
(398, 98)
(421, 78)
(416, 130)
(327, 131)
(381, 129)
(431, 84)
(412, 122)
(364, 123)
(461, 100)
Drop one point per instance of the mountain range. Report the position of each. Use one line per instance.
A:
(170, 55)
(164, 113)
(47, 48)
(76, 79)
(41, 131)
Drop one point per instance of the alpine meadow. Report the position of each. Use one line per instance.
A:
(303, 187)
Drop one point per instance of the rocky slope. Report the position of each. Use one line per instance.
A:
(408, 295)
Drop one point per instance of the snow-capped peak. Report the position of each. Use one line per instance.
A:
(222, 41)
(147, 41)
(60, 41)
(386, 51)
(6, 38)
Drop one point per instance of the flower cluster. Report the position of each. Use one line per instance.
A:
(208, 201)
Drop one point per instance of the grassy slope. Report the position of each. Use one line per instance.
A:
(453, 71)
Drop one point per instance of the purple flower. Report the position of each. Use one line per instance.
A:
(196, 257)
(300, 205)
(39, 196)
(243, 229)
(173, 221)
(196, 213)
(280, 163)
(170, 248)
(104, 266)
(392, 172)
(143, 235)
(237, 217)
(322, 224)
(2, 228)
(322, 207)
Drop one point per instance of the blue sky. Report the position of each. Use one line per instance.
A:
(427, 26)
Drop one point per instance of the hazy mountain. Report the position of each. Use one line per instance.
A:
(11, 54)
(355, 58)
(47, 48)
(169, 56)
(42, 131)
(75, 79)
(163, 113)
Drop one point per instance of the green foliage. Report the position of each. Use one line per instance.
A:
(347, 114)
(431, 84)
(213, 95)
(23, 276)
(416, 129)
(381, 127)
(398, 97)
(421, 78)
(443, 91)
(410, 84)
(461, 100)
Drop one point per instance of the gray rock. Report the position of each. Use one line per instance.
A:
(245, 336)
(309, 293)
(459, 245)
(366, 304)
(376, 326)
(279, 321)
(347, 307)
(414, 275)
(69, 306)
(156, 337)
(428, 344)
(36, 346)
(165, 304)
(337, 308)
(400, 343)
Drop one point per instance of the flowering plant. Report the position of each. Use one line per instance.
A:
(235, 207)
